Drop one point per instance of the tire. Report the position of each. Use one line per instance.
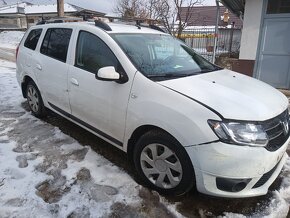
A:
(170, 171)
(34, 100)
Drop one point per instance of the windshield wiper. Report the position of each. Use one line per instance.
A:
(209, 70)
(169, 75)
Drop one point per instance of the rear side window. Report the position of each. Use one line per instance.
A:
(32, 39)
(92, 53)
(56, 42)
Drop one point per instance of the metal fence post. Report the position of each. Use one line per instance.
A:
(216, 30)
(231, 38)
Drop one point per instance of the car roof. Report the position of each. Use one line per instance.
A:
(115, 27)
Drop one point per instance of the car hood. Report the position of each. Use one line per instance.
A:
(232, 95)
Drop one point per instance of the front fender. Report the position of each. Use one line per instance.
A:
(159, 106)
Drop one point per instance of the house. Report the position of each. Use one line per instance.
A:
(199, 32)
(265, 44)
(23, 15)
(13, 16)
(206, 16)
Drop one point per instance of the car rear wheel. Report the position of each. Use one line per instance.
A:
(163, 164)
(34, 100)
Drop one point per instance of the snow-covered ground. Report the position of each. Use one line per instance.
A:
(10, 39)
(46, 173)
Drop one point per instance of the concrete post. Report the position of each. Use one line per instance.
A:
(60, 8)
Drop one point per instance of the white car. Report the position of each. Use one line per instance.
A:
(183, 121)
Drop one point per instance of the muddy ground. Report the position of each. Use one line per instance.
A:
(192, 204)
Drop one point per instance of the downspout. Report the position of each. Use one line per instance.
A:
(216, 30)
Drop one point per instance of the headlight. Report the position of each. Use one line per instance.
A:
(240, 133)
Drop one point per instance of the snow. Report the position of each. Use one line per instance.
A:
(52, 8)
(34, 9)
(28, 191)
(10, 39)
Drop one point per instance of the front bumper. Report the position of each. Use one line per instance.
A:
(256, 165)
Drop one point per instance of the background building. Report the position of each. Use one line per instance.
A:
(265, 44)
(23, 15)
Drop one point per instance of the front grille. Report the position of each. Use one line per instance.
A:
(277, 130)
(265, 177)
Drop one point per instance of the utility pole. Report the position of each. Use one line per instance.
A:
(60, 8)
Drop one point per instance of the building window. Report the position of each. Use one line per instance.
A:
(278, 6)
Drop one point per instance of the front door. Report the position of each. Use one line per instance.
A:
(98, 105)
(274, 55)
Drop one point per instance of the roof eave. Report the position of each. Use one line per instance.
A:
(235, 6)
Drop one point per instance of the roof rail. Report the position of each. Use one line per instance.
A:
(156, 28)
(59, 20)
(103, 25)
(41, 22)
(151, 26)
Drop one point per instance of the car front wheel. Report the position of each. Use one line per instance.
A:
(163, 164)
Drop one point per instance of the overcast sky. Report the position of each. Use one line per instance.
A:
(98, 5)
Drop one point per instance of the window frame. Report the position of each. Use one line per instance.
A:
(45, 53)
(41, 30)
(119, 69)
(274, 13)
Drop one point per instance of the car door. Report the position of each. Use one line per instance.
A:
(53, 69)
(99, 105)
(29, 47)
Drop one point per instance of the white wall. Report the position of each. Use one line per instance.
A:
(251, 29)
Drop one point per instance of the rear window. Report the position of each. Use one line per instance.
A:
(32, 39)
(56, 42)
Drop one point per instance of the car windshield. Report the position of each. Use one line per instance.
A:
(162, 56)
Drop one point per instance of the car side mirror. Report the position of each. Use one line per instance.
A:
(107, 74)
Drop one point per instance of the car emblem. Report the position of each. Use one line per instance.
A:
(285, 127)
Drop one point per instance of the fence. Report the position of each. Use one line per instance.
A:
(202, 41)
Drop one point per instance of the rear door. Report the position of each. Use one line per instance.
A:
(52, 67)
(27, 55)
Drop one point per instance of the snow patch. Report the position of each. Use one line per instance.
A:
(10, 39)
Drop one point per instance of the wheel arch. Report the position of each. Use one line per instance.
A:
(137, 133)
(25, 81)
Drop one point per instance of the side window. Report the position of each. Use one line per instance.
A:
(56, 42)
(32, 39)
(92, 53)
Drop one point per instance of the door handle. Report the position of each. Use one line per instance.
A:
(74, 82)
(38, 66)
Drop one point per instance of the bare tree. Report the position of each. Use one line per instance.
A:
(185, 17)
(167, 12)
(131, 8)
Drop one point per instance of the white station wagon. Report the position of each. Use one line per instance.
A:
(183, 121)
